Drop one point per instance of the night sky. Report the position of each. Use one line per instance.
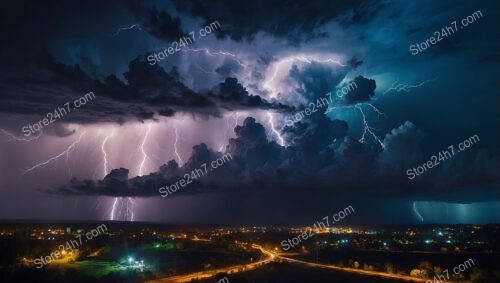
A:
(230, 92)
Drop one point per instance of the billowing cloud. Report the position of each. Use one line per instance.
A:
(267, 60)
(147, 91)
(364, 90)
(309, 160)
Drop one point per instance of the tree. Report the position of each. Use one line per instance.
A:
(427, 266)
(438, 270)
(419, 273)
(479, 275)
(388, 267)
(368, 267)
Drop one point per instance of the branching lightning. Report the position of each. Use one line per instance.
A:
(55, 158)
(405, 87)
(16, 138)
(367, 129)
(271, 123)
(127, 28)
(124, 206)
(375, 109)
(277, 67)
(128, 203)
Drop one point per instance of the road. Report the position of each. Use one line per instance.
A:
(358, 271)
(271, 257)
(209, 273)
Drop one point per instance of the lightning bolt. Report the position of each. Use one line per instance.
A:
(113, 209)
(55, 158)
(221, 147)
(105, 168)
(405, 87)
(128, 203)
(271, 122)
(126, 28)
(130, 206)
(375, 109)
(367, 129)
(145, 157)
(176, 151)
(236, 115)
(15, 138)
(104, 154)
(223, 53)
(416, 211)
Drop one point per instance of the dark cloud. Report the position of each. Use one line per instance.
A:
(363, 13)
(56, 52)
(363, 92)
(401, 141)
(232, 94)
(117, 183)
(147, 90)
(160, 23)
(167, 112)
(311, 159)
(315, 80)
(308, 162)
(59, 130)
(238, 19)
(354, 63)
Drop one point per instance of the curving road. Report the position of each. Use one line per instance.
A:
(358, 271)
(209, 273)
(271, 257)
